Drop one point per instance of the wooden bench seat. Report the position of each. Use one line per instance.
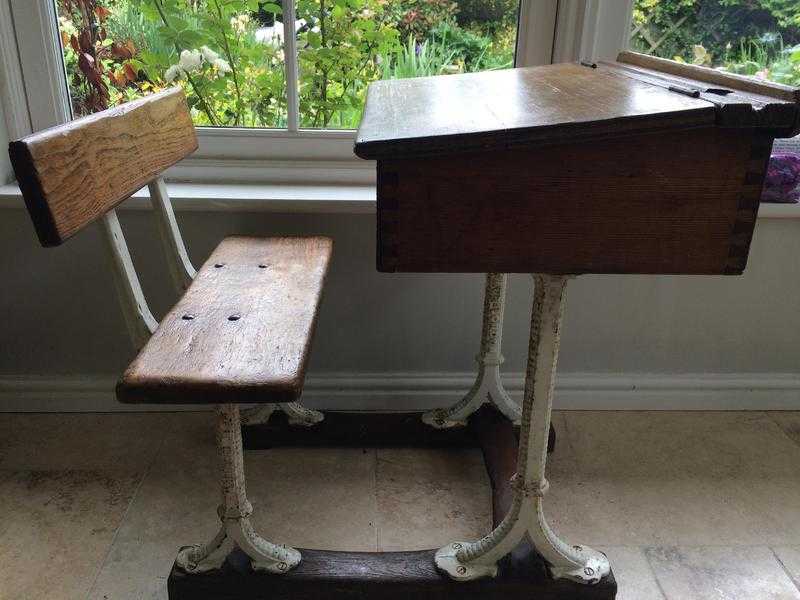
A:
(242, 331)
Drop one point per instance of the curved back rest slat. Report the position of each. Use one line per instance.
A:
(140, 321)
(180, 267)
(73, 174)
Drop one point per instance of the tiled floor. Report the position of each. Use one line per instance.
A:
(689, 506)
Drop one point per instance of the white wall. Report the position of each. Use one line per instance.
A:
(413, 337)
(6, 173)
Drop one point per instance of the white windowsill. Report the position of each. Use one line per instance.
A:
(283, 197)
(291, 198)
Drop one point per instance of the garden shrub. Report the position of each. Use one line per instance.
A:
(418, 17)
(487, 14)
(751, 37)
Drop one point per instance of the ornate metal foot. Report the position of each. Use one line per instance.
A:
(465, 561)
(487, 387)
(235, 511)
(296, 412)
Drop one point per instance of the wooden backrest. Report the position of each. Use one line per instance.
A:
(73, 174)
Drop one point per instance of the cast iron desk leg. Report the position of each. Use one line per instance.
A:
(464, 561)
(488, 388)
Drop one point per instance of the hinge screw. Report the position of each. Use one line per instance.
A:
(461, 570)
(589, 571)
(456, 546)
(282, 566)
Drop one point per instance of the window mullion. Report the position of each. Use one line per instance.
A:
(290, 63)
(35, 24)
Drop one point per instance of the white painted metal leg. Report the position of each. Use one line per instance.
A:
(465, 561)
(180, 267)
(235, 511)
(140, 321)
(296, 413)
(487, 387)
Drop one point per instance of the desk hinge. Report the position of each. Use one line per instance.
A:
(693, 93)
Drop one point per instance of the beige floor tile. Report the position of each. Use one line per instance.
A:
(313, 498)
(789, 422)
(56, 528)
(789, 557)
(427, 498)
(635, 578)
(86, 441)
(721, 573)
(639, 479)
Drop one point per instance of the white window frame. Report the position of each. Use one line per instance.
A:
(40, 99)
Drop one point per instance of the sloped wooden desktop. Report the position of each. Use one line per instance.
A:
(635, 166)
(642, 166)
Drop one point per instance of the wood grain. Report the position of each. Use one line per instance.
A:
(342, 429)
(699, 73)
(661, 203)
(741, 108)
(73, 174)
(326, 575)
(356, 430)
(496, 110)
(242, 332)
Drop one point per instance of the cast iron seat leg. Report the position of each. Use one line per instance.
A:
(295, 412)
(488, 388)
(464, 561)
(235, 511)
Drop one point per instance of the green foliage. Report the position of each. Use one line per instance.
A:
(713, 24)
(228, 54)
(418, 17)
(339, 57)
(474, 50)
(432, 57)
(741, 36)
(489, 14)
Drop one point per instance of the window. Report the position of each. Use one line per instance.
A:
(232, 56)
(757, 38)
(273, 128)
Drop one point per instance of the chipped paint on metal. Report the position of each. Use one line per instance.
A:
(296, 413)
(488, 387)
(234, 512)
(466, 561)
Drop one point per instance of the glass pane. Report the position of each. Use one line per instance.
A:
(346, 44)
(758, 38)
(226, 54)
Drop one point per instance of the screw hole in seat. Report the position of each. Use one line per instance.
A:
(187, 317)
(234, 317)
(219, 265)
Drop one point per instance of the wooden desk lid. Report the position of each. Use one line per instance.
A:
(562, 103)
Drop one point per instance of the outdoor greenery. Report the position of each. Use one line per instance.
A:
(229, 54)
(760, 38)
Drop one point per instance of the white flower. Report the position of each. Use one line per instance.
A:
(239, 23)
(66, 26)
(274, 35)
(173, 73)
(270, 35)
(222, 65)
(209, 54)
(191, 60)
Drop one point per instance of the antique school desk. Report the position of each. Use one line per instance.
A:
(638, 166)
